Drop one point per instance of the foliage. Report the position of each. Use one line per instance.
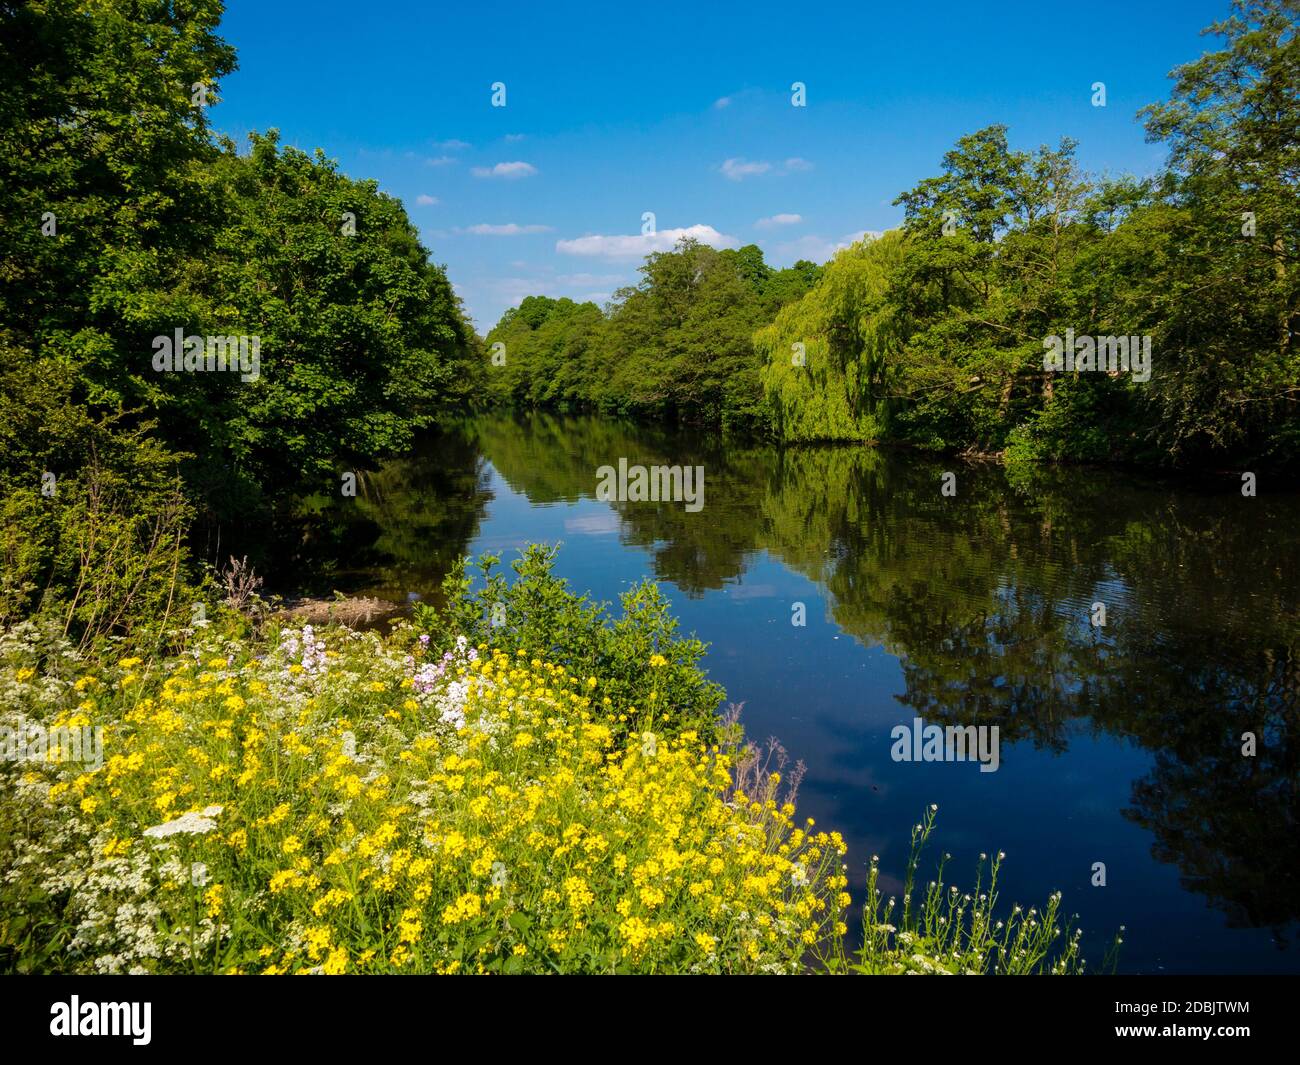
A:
(92, 516)
(538, 615)
(362, 338)
(933, 335)
(677, 346)
(126, 221)
(335, 804)
(99, 127)
(550, 347)
(1005, 248)
(1227, 241)
(831, 387)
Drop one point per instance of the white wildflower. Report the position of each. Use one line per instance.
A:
(192, 824)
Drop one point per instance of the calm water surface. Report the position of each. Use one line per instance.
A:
(1119, 744)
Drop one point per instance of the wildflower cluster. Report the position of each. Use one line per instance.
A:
(342, 802)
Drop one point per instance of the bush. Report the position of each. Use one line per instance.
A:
(540, 616)
(92, 516)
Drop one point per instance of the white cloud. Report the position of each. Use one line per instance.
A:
(509, 229)
(584, 280)
(594, 524)
(426, 201)
(510, 138)
(505, 170)
(818, 249)
(639, 245)
(442, 160)
(451, 145)
(736, 99)
(739, 169)
(779, 220)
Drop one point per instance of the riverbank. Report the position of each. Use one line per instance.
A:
(335, 801)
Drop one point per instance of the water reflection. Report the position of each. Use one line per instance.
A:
(398, 536)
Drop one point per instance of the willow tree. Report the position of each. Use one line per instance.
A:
(827, 356)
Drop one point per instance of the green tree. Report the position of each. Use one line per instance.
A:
(1226, 243)
(827, 355)
(126, 221)
(362, 339)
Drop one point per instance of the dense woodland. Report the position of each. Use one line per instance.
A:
(125, 219)
(932, 334)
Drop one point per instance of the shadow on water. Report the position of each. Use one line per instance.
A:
(399, 534)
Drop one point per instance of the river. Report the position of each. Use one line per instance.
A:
(1118, 743)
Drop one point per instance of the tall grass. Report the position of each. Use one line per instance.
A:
(943, 929)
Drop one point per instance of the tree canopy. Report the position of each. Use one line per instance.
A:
(127, 223)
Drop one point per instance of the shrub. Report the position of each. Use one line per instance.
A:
(539, 615)
(93, 520)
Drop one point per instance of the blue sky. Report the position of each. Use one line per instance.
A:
(683, 110)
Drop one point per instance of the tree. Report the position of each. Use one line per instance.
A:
(1228, 241)
(102, 150)
(126, 221)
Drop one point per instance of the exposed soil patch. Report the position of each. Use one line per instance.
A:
(359, 613)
